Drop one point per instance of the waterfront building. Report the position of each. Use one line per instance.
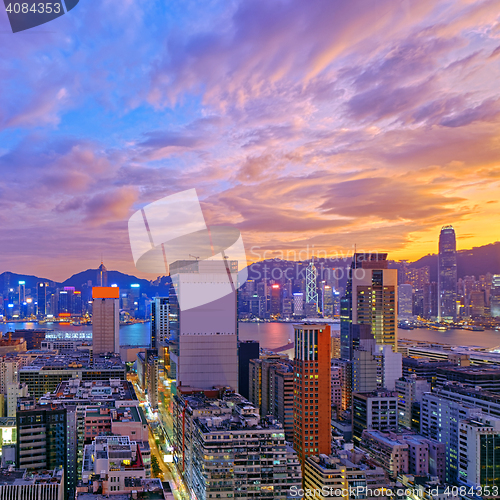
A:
(447, 275)
(106, 320)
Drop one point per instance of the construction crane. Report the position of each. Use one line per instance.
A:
(194, 257)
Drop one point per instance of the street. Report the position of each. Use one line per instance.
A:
(169, 471)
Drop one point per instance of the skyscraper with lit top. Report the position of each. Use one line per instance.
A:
(447, 274)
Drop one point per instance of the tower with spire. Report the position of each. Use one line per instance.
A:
(102, 275)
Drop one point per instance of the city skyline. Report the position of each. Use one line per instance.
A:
(134, 273)
(249, 249)
(297, 125)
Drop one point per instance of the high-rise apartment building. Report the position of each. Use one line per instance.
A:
(272, 389)
(152, 377)
(159, 321)
(479, 452)
(226, 450)
(312, 390)
(41, 436)
(106, 320)
(204, 346)
(447, 274)
(117, 459)
(371, 299)
(345, 375)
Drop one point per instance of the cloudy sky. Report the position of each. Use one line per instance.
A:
(320, 122)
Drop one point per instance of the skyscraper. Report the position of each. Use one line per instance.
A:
(405, 301)
(447, 274)
(163, 311)
(42, 299)
(312, 391)
(203, 347)
(275, 300)
(495, 296)
(371, 299)
(247, 350)
(102, 275)
(105, 319)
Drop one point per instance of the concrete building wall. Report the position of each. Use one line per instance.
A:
(105, 325)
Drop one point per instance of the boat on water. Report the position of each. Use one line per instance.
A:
(441, 328)
(406, 326)
(474, 328)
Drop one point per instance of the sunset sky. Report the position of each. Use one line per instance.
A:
(319, 122)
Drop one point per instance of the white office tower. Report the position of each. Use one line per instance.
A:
(206, 264)
(206, 350)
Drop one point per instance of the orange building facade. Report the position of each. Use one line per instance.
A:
(312, 391)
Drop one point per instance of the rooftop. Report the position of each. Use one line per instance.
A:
(73, 360)
(474, 370)
(76, 390)
(20, 477)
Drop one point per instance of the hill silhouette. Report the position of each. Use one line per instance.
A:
(476, 261)
(122, 280)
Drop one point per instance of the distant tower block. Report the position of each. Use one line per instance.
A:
(311, 289)
(102, 275)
